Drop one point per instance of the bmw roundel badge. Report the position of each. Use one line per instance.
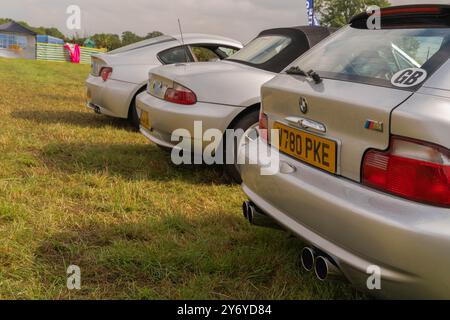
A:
(303, 103)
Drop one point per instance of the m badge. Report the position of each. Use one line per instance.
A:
(374, 125)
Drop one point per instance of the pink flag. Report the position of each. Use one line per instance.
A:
(74, 51)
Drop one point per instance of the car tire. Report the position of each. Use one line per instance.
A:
(246, 122)
(133, 115)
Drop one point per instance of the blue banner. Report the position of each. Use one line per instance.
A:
(312, 21)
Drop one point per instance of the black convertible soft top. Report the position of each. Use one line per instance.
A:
(303, 38)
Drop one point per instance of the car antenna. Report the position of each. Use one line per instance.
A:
(182, 40)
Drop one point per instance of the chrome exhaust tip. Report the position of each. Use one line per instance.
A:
(326, 269)
(307, 258)
(255, 217)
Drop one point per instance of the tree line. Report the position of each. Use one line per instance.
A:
(112, 41)
(109, 41)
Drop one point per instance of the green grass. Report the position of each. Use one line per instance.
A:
(79, 188)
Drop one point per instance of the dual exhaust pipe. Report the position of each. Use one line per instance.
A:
(97, 110)
(324, 267)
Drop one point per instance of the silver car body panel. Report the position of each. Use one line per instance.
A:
(342, 107)
(440, 79)
(360, 98)
(355, 225)
(359, 227)
(130, 72)
(235, 84)
(240, 87)
(425, 116)
(166, 117)
(113, 97)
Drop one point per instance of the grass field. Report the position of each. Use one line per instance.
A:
(79, 188)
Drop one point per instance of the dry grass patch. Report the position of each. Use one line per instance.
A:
(79, 188)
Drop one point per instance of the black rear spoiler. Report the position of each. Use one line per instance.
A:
(412, 15)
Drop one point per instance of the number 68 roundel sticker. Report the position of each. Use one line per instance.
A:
(409, 77)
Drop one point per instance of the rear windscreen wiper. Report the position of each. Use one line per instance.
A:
(297, 71)
(310, 74)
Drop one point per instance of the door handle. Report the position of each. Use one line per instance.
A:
(307, 124)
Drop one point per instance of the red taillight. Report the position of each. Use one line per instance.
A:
(411, 169)
(105, 73)
(263, 126)
(180, 95)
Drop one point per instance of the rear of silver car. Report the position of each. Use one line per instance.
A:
(105, 94)
(364, 162)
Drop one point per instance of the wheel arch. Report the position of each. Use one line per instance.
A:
(243, 113)
(140, 89)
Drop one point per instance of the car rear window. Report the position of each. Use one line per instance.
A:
(375, 56)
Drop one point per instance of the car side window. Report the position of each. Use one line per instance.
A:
(227, 51)
(175, 55)
(204, 54)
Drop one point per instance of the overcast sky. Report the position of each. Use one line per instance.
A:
(239, 19)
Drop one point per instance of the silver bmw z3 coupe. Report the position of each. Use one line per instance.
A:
(118, 76)
(222, 95)
(363, 146)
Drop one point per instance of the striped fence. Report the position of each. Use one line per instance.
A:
(56, 52)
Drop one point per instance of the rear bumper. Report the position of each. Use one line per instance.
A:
(166, 117)
(111, 98)
(359, 227)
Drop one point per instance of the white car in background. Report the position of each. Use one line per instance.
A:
(119, 75)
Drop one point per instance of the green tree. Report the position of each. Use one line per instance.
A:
(153, 34)
(54, 32)
(107, 40)
(129, 37)
(4, 20)
(76, 39)
(337, 13)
